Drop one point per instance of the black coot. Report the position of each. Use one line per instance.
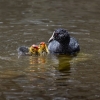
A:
(61, 43)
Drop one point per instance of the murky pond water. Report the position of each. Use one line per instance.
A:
(25, 22)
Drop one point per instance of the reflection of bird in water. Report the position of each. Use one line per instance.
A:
(40, 49)
(62, 62)
(38, 60)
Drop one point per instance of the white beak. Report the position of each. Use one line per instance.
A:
(51, 38)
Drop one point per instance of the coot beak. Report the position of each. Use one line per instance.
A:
(52, 38)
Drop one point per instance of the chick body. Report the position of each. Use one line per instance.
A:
(33, 50)
(43, 50)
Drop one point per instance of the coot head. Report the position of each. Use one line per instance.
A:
(60, 35)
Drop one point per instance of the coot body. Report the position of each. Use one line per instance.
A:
(61, 43)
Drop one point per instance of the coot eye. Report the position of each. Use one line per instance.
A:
(56, 34)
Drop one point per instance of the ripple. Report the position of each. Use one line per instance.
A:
(60, 98)
(1, 22)
(6, 58)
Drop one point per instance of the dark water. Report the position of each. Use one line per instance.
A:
(25, 22)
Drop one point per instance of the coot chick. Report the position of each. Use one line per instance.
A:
(61, 43)
(40, 49)
(23, 50)
(43, 50)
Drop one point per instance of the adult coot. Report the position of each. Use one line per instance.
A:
(61, 43)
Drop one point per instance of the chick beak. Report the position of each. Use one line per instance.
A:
(51, 38)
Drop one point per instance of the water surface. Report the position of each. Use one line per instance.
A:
(25, 22)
